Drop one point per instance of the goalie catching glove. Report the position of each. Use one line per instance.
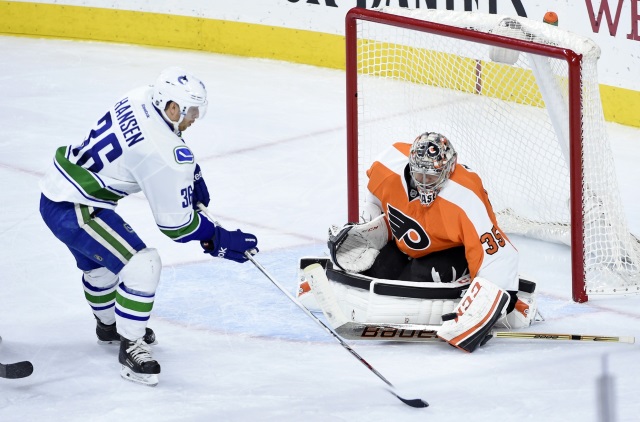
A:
(354, 247)
(231, 245)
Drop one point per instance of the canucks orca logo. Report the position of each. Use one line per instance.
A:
(183, 155)
(183, 79)
(407, 229)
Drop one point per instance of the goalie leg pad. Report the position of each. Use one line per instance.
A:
(470, 326)
(323, 293)
(304, 293)
(395, 310)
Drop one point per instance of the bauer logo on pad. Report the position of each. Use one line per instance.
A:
(183, 155)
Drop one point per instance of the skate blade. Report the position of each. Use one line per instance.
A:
(117, 342)
(150, 380)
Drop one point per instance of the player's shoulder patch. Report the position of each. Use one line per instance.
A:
(183, 155)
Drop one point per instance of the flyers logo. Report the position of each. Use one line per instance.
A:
(429, 149)
(433, 150)
(407, 229)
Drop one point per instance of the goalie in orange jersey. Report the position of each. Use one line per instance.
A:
(428, 218)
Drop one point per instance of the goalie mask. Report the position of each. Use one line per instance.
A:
(432, 159)
(184, 89)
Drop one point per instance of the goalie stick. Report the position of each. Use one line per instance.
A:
(351, 330)
(418, 403)
(417, 333)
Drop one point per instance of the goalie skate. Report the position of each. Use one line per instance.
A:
(137, 363)
(525, 311)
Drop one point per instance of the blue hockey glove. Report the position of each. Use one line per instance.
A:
(200, 191)
(230, 245)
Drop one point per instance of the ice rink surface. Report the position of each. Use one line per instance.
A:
(231, 345)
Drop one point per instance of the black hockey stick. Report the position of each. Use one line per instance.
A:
(410, 402)
(16, 370)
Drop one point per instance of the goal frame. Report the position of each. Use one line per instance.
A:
(573, 60)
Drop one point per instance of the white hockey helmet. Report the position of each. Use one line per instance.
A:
(184, 89)
(432, 159)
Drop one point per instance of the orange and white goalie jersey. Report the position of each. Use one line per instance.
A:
(461, 215)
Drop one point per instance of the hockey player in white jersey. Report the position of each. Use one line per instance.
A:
(135, 146)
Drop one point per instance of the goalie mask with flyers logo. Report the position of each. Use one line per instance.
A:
(432, 159)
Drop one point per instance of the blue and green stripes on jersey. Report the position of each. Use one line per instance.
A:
(104, 234)
(86, 182)
(198, 228)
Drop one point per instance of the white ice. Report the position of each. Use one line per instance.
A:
(231, 345)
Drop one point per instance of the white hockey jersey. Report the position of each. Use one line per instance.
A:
(131, 149)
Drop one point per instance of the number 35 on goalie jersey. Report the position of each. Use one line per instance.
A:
(461, 216)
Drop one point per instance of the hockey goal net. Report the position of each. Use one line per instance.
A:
(520, 101)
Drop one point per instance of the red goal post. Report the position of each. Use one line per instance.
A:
(509, 93)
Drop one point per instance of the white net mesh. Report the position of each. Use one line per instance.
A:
(507, 114)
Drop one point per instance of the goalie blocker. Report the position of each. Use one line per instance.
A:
(480, 308)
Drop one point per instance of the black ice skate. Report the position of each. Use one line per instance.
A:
(107, 334)
(137, 363)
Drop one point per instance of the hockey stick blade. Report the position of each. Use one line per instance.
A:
(390, 332)
(16, 370)
(417, 403)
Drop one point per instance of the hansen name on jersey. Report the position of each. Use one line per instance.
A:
(131, 149)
